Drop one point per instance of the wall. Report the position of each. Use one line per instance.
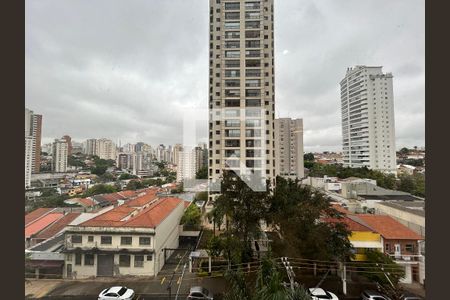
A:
(412, 221)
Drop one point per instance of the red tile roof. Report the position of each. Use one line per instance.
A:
(112, 217)
(57, 226)
(352, 225)
(154, 214)
(142, 200)
(149, 217)
(41, 223)
(36, 214)
(86, 202)
(389, 228)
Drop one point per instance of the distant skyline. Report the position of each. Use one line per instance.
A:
(128, 70)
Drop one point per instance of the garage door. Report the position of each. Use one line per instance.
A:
(105, 265)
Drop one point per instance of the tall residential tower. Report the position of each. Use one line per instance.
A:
(289, 147)
(368, 126)
(241, 88)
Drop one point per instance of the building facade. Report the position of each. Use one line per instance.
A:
(33, 127)
(289, 147)
(68, 139)
(59, 156)
(368, 125)
(91, 147)
(105, 149)
(241, 88)
(187, 164)
(28, 160)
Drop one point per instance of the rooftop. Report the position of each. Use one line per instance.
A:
(41, 223)
(57, 226)
(389, 228)
(36, 214)
(413, 207)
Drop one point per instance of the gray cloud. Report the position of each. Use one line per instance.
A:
(128, 69)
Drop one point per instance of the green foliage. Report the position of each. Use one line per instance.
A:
(101, 165)
(76, 161)
(215, 246)
(134, 185)
(296, 210)
(55, 200)
(414, 184)
(126, 176)
(106, 177)
(192, 216)
(382, 269)
(308, 157)
(179, 189)
(100, 189)
(201, 196)
(202, 173)
(404, 151)
(153, 182)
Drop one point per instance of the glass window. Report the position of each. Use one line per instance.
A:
(232, 25)
(232, 133)
(253, 102)
(253, 153)
(232, 102)
(253, 63)
(253, 44)
(232, 73)
(232, 113)
(106, 240)
(252, 53)
(232, 44)
(126, 240)
(232, 64)
(231, 153)
(232, 82)
(232, 54)
(252, 93)
(139, 261)
(253, 143)
(253, 112)
(232, 123)
(232, 34)
(76, 239)
(90, 238)
(78, 259)
(252, 73)
(232, 5)
(150, 257)
(232, 16)
(253, 82)
(253, 123)
(89, 259)
(232, 93)
(254, 15)
(144, 240)
(124, 260)
(251, 24)
(253, 132)
(232, 143)
(252, 5)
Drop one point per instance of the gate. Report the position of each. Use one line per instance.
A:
(105, 264)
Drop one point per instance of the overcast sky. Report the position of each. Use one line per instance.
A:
(128, 69)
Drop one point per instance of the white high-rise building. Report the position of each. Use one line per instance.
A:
(177, 148)
(28, 159)
(241, 88)
(368, 125)
(91, 147)
(106, 149)
(289, 148)
(187, 165)
(59, 155)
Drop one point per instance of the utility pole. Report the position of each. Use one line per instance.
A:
(289, 271)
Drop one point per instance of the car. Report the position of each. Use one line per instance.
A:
(117, 293)
(373, 295)
(410, 296)
(318, 294)
(199, 293)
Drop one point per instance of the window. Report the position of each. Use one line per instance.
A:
(90, 238)
(232, 16)
(89, 259)
(252, 44)
(78, 259)
(252, 93)
(232, 112)
(253, 102)
(232, 25)
(144, 240)
(253, 73)
(253, 143)
(139, 261)
(409, 247)
(232, 102)
(232, 73)
(232, 64)
(252, 24)
(232, 44)
(124, 260)
(252, 82)
(253, 63)
(232, 143)
(252, 112)
(386, 247)
(232, 123)
(252, 5)
(253, 163)
(232, 34)
(232, 93)
(126, 240)
(232, 5)
(253, 153)
(150, 257)
(231, 153)
(252, 53)
(232, 54)
(232, 82)
(252, 15)
(232, 163)
(253, 132)
(252, 34)
(106, 240)
(76, 239)
(232, 133)
(253, 123)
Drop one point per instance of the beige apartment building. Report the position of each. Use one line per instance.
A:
(289, 148)
(241, 88)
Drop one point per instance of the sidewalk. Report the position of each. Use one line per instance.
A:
(415, 288)
(38, 288)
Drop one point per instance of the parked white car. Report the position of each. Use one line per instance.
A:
(319, 294)
(116, 293)
(199, 293)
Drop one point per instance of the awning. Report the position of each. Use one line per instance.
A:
(367, 244)
(42, 264)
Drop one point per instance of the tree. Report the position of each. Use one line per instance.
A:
(192, 216)
(404, 151)
(100, 189)
(243, 209)
(202, 173)
(385, 272)
(201, 196)
(406, 183)
(126, 176)
(215, 246)
(308, 157)
(134, 185)
(296, 212)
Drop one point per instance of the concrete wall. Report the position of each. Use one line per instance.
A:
(412, 221)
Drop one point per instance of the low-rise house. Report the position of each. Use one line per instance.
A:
(38, 220)
(130, 239)
(399, 242)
